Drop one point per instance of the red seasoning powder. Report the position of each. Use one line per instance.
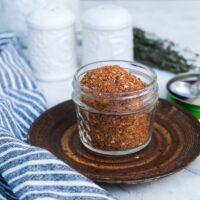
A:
(113, 126)
(111, 79)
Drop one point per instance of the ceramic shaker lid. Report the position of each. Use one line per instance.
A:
(107, 17)
(51, 17)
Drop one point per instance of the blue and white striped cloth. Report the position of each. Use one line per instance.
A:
(27, 172)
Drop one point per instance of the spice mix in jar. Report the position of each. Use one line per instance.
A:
(115, 104)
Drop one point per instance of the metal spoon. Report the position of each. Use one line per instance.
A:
(186, 89)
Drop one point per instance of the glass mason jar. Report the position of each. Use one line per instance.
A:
(116, 123)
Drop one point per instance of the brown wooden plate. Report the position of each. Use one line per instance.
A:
(175, 143)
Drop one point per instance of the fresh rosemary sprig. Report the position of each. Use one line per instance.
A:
(163, 54)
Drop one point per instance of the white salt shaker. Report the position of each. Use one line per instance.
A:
(13, 14)
(51, 43)
(107, 34)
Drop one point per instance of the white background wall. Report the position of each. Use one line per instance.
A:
(177, 20)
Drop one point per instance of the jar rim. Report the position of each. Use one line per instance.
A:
(129, 93)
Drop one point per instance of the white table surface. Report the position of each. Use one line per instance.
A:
(176, 20)
(183, 185)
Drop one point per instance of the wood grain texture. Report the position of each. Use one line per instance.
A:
(175, 143)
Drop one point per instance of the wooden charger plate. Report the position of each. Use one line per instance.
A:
(175, 143)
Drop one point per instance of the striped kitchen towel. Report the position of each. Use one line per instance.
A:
(28, 172)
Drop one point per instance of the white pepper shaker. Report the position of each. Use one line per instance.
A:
(107, 34)
(51, 43)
